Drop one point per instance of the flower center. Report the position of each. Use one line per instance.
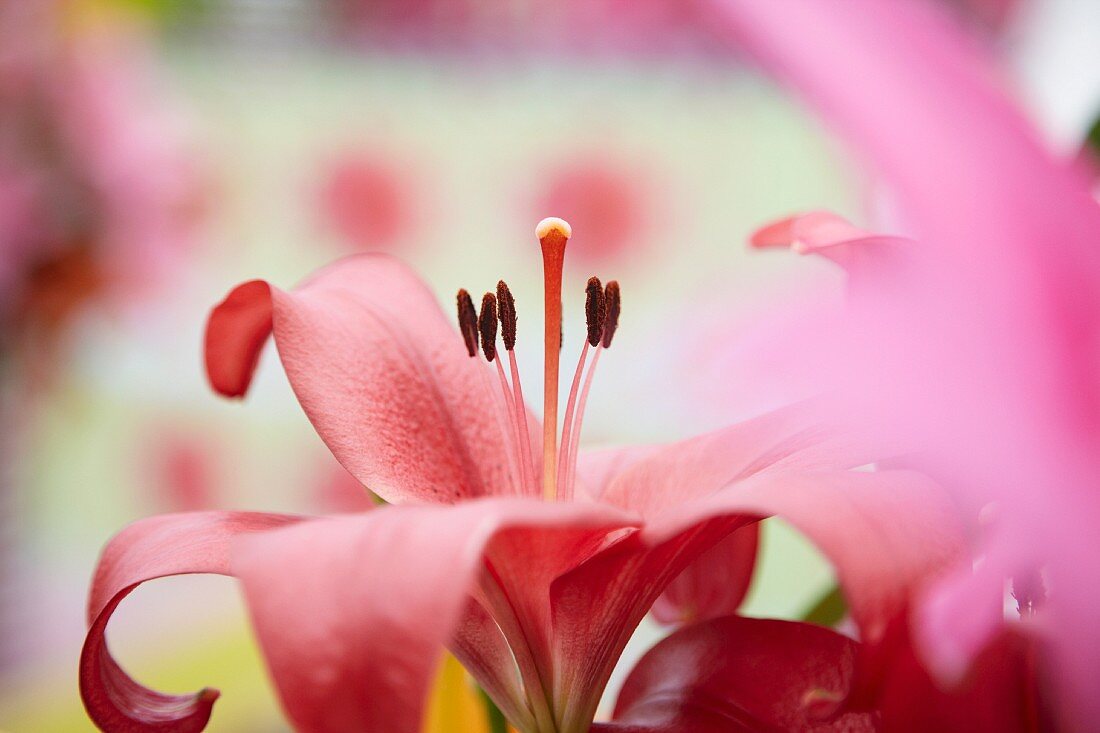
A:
(601, 308)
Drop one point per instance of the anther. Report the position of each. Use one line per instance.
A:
(612, 305)
(595, 311)
(507, 307)
(487, 324)
(467, 321)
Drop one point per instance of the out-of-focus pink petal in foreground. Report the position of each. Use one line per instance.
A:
(988, 357)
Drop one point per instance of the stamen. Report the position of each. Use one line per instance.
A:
(526, 458)
(575, 438)
(515, 461)
(595, 310)
(467, 321)
(612, 308)
(487, 324)
(613, 305)
(552, 233)
(507, 306)
(567, 424)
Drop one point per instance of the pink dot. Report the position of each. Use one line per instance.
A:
(365, 200)
(604, 204)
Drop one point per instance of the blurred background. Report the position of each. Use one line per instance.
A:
(155, 153)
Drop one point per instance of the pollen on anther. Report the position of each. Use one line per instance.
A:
(467, 321)
(595, 310)
(553, 226)
(487, 324)
(506, 304)
(613, 304)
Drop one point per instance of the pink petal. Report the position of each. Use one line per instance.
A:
(739, 675)
(597, 468)
(691, 494)
(887, 533)
(597, 606)
(172, 544)
(380, 372)
(352, 612)
(833, 237)
(714, 584)
(673, 475)
(1005, 312)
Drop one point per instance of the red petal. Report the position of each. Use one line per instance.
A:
(235, 334)
(999, 693)
(352, 611)
(380, 372)
(714, 584)
(739, 675)
(153, 548)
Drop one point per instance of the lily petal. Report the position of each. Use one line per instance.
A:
(171, 544)
(673, 475)
(739, 675)
(352, 612)
(715, 584)
(1000, 691)
(379, 371)
(887, 533)
(833, 237)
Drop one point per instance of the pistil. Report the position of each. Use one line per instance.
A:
(552, 233)
(601, 308)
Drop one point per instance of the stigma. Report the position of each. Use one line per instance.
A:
(479, 331)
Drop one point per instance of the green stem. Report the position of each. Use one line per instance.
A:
(497, 723)
(828, 610)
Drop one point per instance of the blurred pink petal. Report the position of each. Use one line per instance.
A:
(987, 358)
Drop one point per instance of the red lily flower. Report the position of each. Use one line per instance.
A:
(533, 567)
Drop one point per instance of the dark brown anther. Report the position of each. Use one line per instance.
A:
(467, 321)
(487, 324)
(595, 309)
(507, 306)
(612, 306)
